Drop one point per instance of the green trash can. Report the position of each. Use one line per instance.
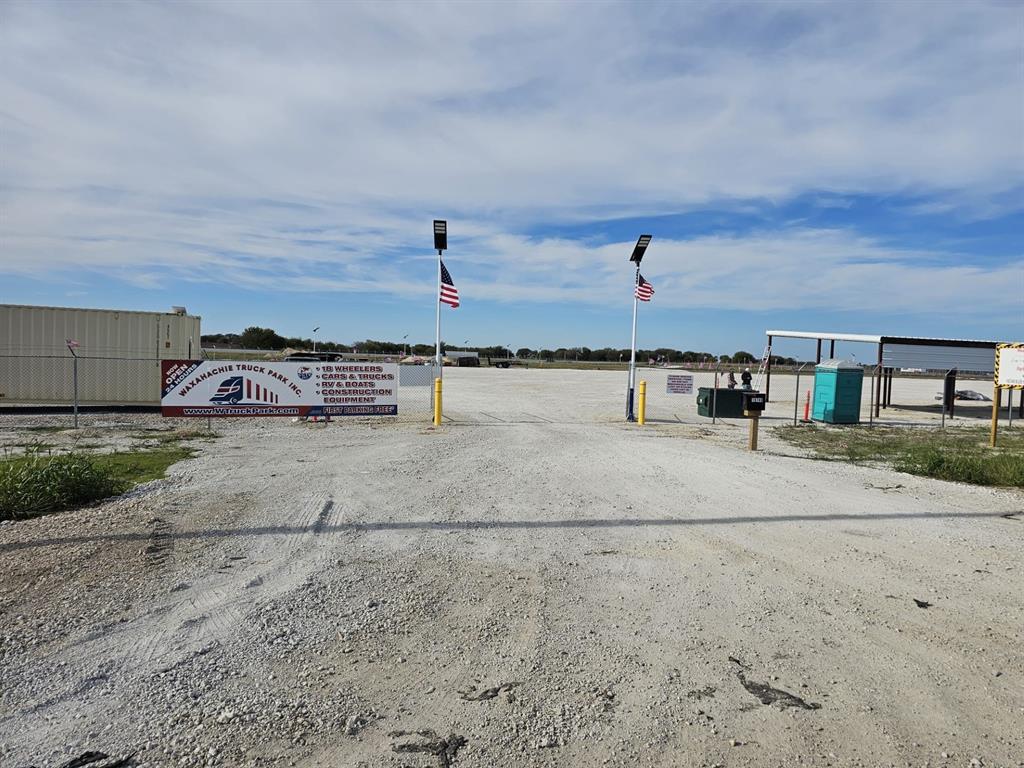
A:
(729, 405)
(837, 392)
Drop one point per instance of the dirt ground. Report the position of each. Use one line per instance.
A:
(535, 583)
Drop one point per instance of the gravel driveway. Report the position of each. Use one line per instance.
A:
(516, 593)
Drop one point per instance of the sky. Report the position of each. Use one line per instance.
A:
(852, 167)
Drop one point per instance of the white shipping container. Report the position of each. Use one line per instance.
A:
(119, 353)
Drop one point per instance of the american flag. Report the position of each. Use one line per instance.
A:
(449, 293)
(644, 290)
(72, 344)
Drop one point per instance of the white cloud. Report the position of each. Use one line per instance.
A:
(807, 269)
(288, 144)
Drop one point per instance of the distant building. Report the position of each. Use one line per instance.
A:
(119, 353)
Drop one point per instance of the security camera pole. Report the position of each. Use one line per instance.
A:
(441, 244)
(638, 255)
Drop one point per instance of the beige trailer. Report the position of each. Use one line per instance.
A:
(119, 353)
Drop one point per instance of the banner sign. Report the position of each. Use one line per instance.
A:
(250, 388)
(1010, 366)
(680, 384)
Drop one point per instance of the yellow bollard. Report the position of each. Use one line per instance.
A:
(437, 402)
(641, 417)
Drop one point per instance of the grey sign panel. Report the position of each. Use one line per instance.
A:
(939, 358)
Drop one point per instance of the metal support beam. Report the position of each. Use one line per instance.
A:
(832, 350)
(888, 393)
(768, 375)
(817, 358)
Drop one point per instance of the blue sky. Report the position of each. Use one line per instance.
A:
(854, 167)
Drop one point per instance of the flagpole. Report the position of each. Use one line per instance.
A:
(632, 354)
(437, 300)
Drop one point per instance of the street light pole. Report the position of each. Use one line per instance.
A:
(314, 337)
(632, 354)
(637, 256)
(440, 243)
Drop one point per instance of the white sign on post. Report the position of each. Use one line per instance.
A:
(1010, 366)
(679, 384)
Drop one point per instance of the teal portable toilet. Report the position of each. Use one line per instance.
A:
(837, 391)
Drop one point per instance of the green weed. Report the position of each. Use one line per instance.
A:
(959, 454)
(37, 484)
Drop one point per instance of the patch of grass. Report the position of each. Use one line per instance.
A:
(959, 454)
(175, 435)
(134, 467)
(37, 484)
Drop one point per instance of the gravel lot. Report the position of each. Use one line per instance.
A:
(533, 584)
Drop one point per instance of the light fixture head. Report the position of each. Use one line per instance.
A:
(640, 248)
(440, 234)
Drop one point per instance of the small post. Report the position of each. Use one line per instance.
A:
(75, 377)
(796, 394)
(996, 398)
(642, 415)
(753, 430)
(871, 406)
(714, 398)
(1009, 408)
(437, 402)
(72, 346)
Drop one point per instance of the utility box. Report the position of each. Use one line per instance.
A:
(838, 385)
(753, 403)
(729, 405)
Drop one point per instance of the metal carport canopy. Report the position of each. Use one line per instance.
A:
(973, 355)
(866, 338)
(933, 354)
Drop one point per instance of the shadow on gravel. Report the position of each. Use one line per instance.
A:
(481, 525)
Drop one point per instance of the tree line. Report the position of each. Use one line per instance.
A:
(255, 337)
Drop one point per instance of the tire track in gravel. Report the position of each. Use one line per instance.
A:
(179, 627)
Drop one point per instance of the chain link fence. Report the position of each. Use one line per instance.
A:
(59, 381)
(917, 400)
(678, 403)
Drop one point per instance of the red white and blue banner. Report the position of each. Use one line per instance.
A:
(250, 388)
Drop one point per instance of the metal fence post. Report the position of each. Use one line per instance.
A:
(871, 412)
(75, 385)
(796, 396)
(714, 397)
